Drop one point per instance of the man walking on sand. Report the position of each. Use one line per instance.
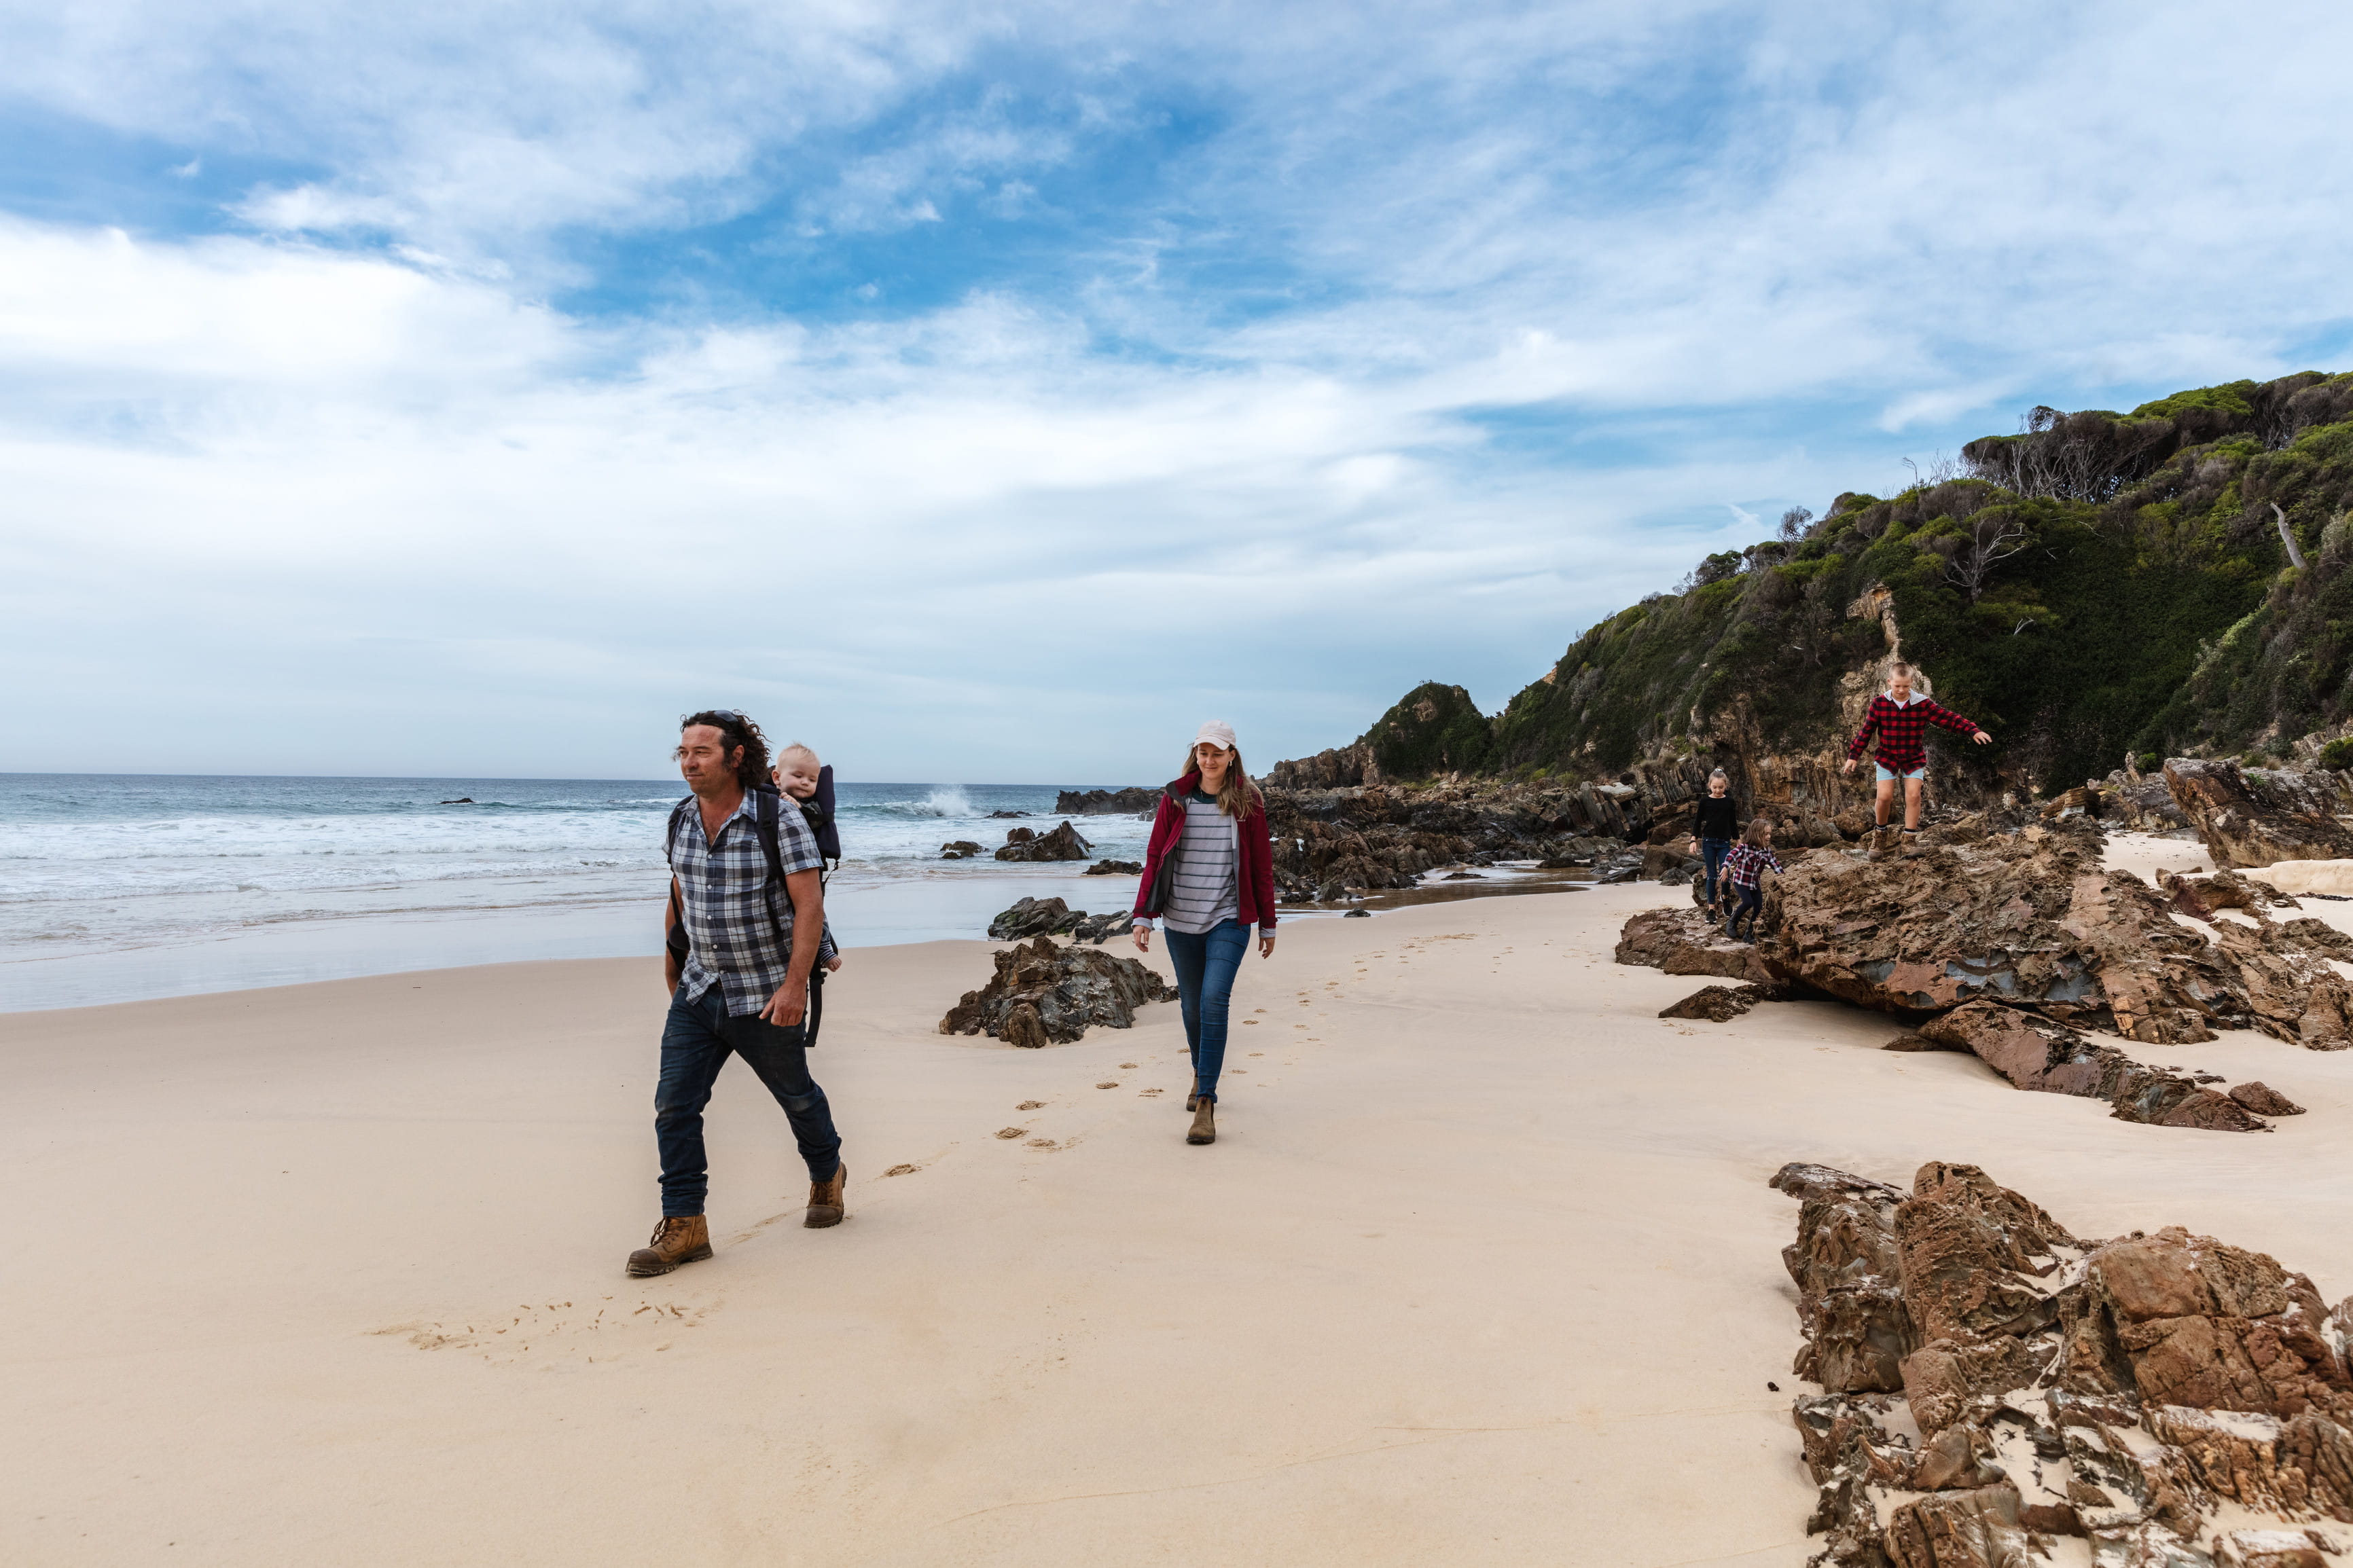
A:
(1901, 717)
(744, 883)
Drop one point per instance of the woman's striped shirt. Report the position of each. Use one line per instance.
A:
(1206, 892)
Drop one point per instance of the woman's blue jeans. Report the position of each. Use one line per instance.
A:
(1206, 964)
(1712, 852)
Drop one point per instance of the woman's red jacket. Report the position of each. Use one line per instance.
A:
(1253, 867)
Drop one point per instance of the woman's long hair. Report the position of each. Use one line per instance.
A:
(1240, 798)
(1758, 826)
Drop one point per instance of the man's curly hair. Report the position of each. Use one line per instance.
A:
(736, 730)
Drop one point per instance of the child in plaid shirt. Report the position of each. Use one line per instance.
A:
(1900, 717)
(1749, 860)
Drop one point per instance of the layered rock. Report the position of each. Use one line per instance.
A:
(1105, 803)
(2259, 816)
(2125, 1390)
(1042, 992)
(2035, 1053)
(1051, 917)
(1061, 842)
(2033, 920)
(1685, 940)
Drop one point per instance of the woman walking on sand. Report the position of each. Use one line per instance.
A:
(1207, 872)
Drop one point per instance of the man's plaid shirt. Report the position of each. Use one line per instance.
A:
(1901, 730)
(739, 930)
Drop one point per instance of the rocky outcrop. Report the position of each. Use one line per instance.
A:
(2033, 920)
(2256, 816)
(2128, 1391)
(1105, 802)
(1721, 1003)
(1042, 992)
(959, 850)
(1115, 869)
(2263, 1100)
(1063, 843)
(1051, 917)
(1033, 917)
(2035, 1053)
(1683, 941)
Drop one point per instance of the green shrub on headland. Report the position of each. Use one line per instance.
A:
(2099, 585)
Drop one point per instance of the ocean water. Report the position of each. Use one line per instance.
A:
(119, 887)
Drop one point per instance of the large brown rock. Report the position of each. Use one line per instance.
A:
(2030, 920)
(2033, 1053)
(2258, 817)
(1043, 992)
(2189, 1377)
(1683, 941)
(1845, 1264)
(2199, 1323)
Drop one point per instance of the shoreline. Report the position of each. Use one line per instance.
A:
(952, 906)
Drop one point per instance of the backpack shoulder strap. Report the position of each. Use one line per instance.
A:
(763, 822)
(677, 821)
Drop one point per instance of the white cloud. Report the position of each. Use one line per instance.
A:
(1441, 340)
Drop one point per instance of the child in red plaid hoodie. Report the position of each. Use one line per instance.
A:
(1745, 870)
(1901, 717)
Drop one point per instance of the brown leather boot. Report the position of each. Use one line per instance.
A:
(683, 1239)
(1205, 1124)
(825, 1199)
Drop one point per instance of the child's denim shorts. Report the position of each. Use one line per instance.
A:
(1883, 775)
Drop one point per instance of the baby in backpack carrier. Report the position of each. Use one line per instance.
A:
(796, 775)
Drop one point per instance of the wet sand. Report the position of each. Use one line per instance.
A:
(1482, 1270)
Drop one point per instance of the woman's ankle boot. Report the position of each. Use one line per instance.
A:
(1205, 1124)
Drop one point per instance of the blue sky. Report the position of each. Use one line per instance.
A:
(992, 391)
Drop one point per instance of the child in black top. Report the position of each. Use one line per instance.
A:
(1712, 831)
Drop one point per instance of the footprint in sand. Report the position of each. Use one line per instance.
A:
(1011, 1132)
(1042, 1143)
(1029, 1105)
(1127, 1067)
(557, 1330)
(902, 1170)
(1107, 1086)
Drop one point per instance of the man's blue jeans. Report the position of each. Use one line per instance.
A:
(1206, 964)
(1712, 852)
(693, 1052)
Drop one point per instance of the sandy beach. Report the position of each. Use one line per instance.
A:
(1483, 1268)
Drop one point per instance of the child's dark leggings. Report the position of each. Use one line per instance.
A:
(1751, 900)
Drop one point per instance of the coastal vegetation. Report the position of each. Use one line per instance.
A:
(2174, 580)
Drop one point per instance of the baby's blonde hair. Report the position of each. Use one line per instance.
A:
(796, 749)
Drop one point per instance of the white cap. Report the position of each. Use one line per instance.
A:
(1218, 732)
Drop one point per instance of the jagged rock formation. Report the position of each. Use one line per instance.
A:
(1063, 843)
(1125, 802)
(1686, 942)
(2030, 920)
(1051, 917)
(2261, 816)
(959, 850)
(2125, 1390)
(1722, 1004)
(1043, 994)
(1115, 869)
(2034, 1053)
